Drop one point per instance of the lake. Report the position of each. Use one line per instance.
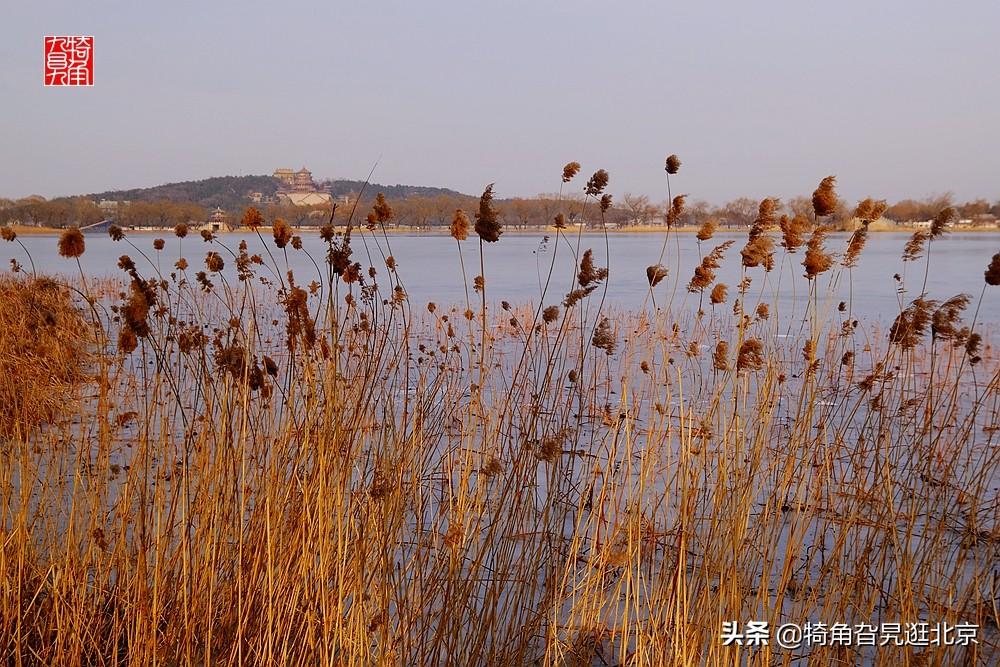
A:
(517, 267)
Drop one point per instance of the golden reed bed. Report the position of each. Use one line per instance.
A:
(222, 465)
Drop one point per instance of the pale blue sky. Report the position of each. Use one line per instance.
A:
(765, 98)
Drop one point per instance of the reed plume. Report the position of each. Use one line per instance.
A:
(589, 273)
(817, 259)
(750, 356)
(8, 234)
(673, 164)
(381, 211)
(718, 294)
(706, 231)
(71, 244)
(869, 210)
(252, 218)
(914, 248)
(794, 231)
(460, 225)
(597, 183)
(942, 221)
(759, 249)
(972, 345)
(946, 319)
(116, 233)
(676, 210)
(704, 273)
(911, 324)
(824, 198)
(570, 171)
(855, 245)
(655, 273)
(282, 233)
(604, 338)
(487, 219)
(214, 262)
(992, 273)
(720, 358)
(575, 296)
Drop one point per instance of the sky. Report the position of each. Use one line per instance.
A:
(896, 98)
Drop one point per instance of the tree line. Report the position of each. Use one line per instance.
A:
(425, 212)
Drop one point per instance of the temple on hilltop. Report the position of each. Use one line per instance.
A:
(298, 188)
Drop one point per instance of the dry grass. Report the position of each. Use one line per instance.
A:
(44, 353)
(283, 473)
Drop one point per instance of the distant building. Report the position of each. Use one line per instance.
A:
(111, 205)
(286, 176)
(261, 198)
(299, 181)
(298, 188)
(303, 181)
(216, 222)
(984, 220)
(305, 198)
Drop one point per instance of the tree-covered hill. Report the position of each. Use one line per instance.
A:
(230, 192)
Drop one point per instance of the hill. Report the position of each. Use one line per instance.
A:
(340, 188)
(230, 192)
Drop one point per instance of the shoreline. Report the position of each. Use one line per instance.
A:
(24, 230)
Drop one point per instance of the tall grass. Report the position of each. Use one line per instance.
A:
(268, 468)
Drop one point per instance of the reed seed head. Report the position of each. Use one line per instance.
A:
(676, 210)
(911, 324)
(992, 273)
(720, 358)
(252, 218)
(488, 219)
(383, 212)
(282, 233)
(824, 198)
(914, 248)
(655, 273)
(719, 293)
(589, 273)
(213, 262)
(673, 164)
(817, 260)
(793, 231)
(597, 183)
(942, 221)
(570, 171)
(707, 230)
(750, 356)
(460, 225)
(604, 338)
(855, 246)
(71, 244)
